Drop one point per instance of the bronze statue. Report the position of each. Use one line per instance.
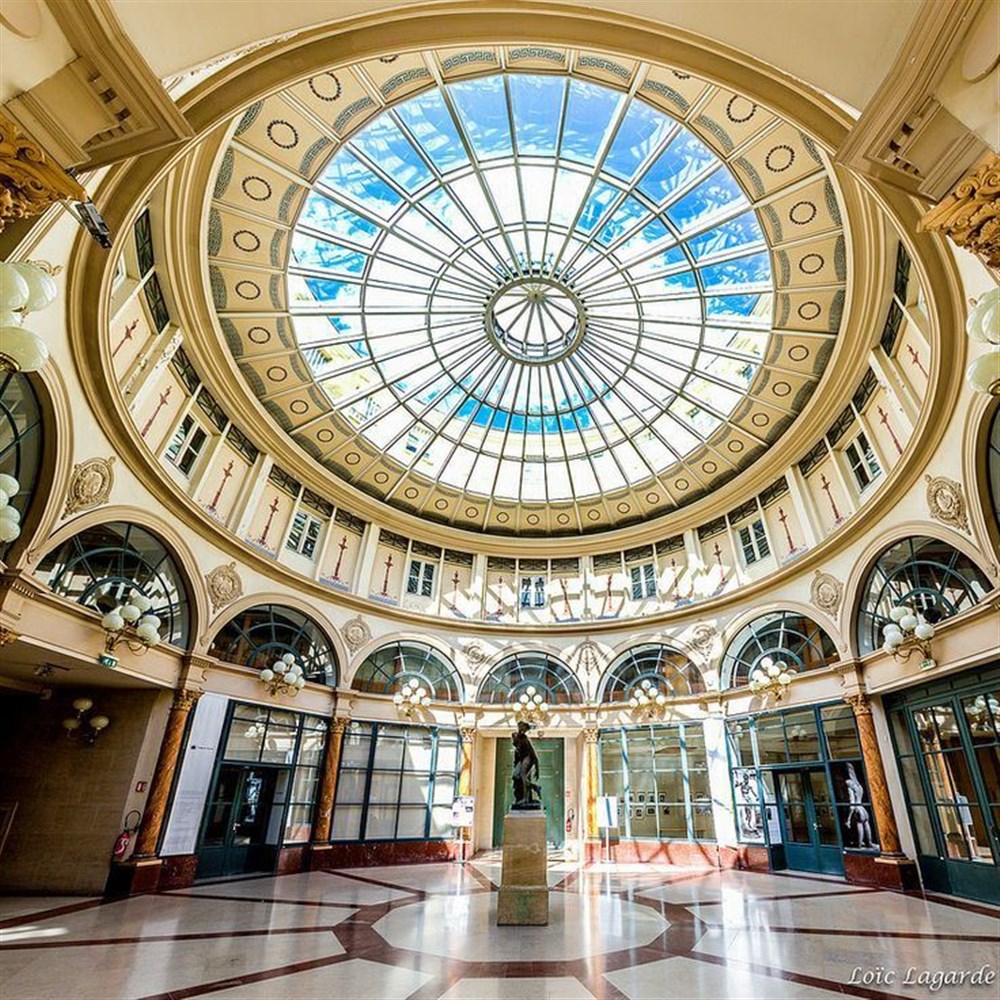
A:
(527, 791)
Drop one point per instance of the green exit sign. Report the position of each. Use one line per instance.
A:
(107, 660)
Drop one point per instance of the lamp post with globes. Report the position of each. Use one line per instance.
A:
(284, 676)
(648, 700)
(530, 706)
(10, 516)
(24, 288)
(983, 327)
(905, 633)
(410, 697)
(771, 678)
(133, 624)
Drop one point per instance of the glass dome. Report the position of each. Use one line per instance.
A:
(530, 287)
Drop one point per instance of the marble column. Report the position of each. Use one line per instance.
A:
(163, 775)
(891, 869)
(465, 773)
(328, 787)
(592, 780)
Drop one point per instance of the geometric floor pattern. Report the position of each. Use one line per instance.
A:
(427, 932)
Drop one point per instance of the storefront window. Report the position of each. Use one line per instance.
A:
(660, 774)
(395, 782)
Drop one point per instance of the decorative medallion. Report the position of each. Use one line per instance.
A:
(224, 585)
(703, 638)
(826, 593)
(475, 654)
(356, 633)
(89, 485)
(946, 503)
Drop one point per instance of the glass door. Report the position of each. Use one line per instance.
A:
(949, 755)
(240, 832)
(550, 777)
(809, 821)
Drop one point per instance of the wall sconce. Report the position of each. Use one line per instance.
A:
(10, 516)
(132, 624)
(648, 700)
(84, 727)
(530, 706)
(24, 288)
(983, 326)
(907, 632)
(284, 676)
(410, 697)
(771, 678)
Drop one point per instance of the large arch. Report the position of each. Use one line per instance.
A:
(650, 665)
(22, 446)
(102, 563)
(256, 636)
(516, 672)
(936, 578)
(786, 635)
(386, 669)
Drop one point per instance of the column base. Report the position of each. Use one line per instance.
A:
(130, 878)
(884, 871)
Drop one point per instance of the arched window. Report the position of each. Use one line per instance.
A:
(256, 637)
(105, 562)
(550, 677)
(20, 439)
(665, 668)
(781, 635)
(993, 467)
(930, 575)
(387, 669)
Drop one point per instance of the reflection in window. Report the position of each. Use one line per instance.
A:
(104, 563)
(667, 669)
(780, 635)
(548, 676)
(391, 667)
(660, 776)
(931, 576)
(258, 636)
(395, 782)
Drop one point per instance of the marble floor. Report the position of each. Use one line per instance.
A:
(428, 931)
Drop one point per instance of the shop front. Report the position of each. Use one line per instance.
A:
(800, 788)
(946, 738)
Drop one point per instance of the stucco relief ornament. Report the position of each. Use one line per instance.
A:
(356, 633)
(827, 592)
(89, 485)
(224, 585)
(946, 502)
(703, 638)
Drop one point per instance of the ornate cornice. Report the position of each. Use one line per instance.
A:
(970, 215)
(29, 182)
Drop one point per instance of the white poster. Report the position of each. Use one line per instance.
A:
(607, 812)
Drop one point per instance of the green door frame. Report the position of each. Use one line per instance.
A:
(972, 879)
(815, 856)
(551, 766)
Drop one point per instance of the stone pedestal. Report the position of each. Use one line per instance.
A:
(524, 889)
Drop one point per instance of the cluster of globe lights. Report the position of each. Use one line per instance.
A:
(530, 706)
(983, 327)
(10, 516)
(647, 698)
(132, 623)
(771, 677)
(411, 697)
(284, 676)
(905, 626)
(24, 288)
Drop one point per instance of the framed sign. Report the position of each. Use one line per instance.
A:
(607, 812)
(462, 810)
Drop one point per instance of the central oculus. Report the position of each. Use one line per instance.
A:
(535, 320)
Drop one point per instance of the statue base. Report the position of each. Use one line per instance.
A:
(523, 899)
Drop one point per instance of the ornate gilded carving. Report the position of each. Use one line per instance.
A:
(945, 501)
(90, 484)
(29, 183)
(468, 734)
(224, 585)
(590, 734)
(827, 592)
(7, 636)
(970, 215)
(859, 703)
(356, 633)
